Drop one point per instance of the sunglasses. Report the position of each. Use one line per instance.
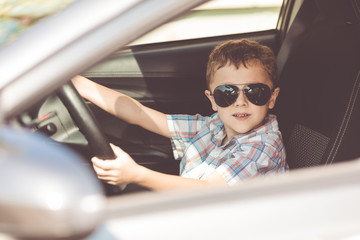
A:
(257, 93)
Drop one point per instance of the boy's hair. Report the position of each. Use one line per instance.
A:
(241, 52)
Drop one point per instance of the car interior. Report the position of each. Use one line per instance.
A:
(319, 76)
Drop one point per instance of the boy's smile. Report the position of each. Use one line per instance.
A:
(242, 115)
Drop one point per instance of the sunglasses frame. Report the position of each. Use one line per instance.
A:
(223, 99)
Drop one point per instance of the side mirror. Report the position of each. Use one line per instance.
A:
(46, 190)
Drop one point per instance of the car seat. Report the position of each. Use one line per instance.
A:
(319, 76)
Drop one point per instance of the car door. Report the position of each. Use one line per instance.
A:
(169, 76)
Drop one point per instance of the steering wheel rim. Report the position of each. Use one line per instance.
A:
(85, 120)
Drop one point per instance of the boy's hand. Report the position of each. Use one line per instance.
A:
(122, 170)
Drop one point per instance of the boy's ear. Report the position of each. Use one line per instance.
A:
(211, 99)
(273, 97)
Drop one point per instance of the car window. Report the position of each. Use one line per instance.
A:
(218, 17)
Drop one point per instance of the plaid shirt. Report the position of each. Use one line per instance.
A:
(196, 140)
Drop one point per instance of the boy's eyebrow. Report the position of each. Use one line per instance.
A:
(240, 83)
(272, 86)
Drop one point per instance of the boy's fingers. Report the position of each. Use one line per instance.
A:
(112, 182)
(117, 150)
(100, 172)
(109, 164)
(96, 162)
(103, 164)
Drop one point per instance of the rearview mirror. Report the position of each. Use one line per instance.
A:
(46, 190)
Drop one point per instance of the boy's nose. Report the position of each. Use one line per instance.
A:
(241, 100)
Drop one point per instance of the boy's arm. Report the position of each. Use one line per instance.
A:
(122, 106)
(124, 170)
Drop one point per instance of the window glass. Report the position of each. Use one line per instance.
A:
(219, 17)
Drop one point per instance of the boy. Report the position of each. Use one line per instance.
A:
(240, 140)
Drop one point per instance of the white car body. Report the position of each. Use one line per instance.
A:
(319, 203)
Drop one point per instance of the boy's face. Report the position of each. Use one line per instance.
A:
(241, 116)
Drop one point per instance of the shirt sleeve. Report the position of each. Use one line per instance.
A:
(250, 160)
(183, 129)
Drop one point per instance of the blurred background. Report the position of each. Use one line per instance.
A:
(219, 17)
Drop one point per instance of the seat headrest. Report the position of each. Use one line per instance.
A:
(345, 10)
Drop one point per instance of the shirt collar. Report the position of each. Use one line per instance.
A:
(217, 128)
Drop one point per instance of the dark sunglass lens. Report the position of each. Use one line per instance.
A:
(258, 93)
(225, 95)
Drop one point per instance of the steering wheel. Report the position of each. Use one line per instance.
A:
(86, 121)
